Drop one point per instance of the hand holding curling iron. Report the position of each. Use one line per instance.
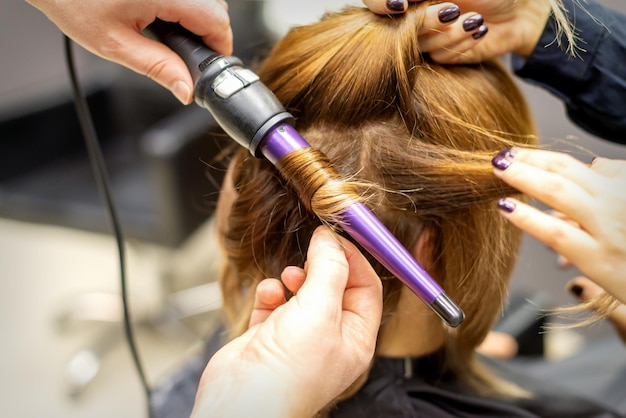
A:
(113, 30)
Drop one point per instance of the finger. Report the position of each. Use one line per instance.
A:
(557, 184)
(559, 164)
(335, 265)
(116, 36)
(461, 52)
(383, 7)
(498, 345)
(560, 215)
(155, 60)
(148, 57)
(437, 19)
(327, 272)
(563, 262)
(207, 19)
(585, 289)
(564, 238)
(293, 278)
(341, 280)
(435, 35)
(608, 167)
(363, 295)
(269, 296)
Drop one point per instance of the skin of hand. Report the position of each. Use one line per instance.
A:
(498, 345)
(112, 30)
(590, 230)
(514, 26)
(299, 354)
(587, 290)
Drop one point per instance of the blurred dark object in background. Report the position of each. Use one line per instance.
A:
(46, 177)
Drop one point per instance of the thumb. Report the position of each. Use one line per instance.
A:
(156, 61)
(208, 20)
(327, 272)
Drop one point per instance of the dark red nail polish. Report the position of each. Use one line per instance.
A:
(482, 31)
(448, 14)
(395, 5)
(472, 23)
(576, 290)
(506, 205)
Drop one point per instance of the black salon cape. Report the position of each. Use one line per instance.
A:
(416, 388)
(390, 393)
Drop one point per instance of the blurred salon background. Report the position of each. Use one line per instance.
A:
(63, 352)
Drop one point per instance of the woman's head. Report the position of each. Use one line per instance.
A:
(418, 137)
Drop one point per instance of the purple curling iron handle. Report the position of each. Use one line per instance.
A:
(250, 114)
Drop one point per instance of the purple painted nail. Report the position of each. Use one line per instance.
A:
(482, 31)
(472, 22)
(395, 5)
(448, 14)
(502, 160)
(506, 205)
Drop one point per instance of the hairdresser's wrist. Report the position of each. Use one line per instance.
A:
(255, 391)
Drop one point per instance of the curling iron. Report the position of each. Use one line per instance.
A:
(252, 115)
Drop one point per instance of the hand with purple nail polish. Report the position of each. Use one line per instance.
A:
(437, 16)
(589, 225)
(512, 26)
(443, 24)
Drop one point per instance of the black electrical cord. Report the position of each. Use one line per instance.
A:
(99, 170)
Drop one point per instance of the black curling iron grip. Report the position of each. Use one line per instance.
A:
(243, 106)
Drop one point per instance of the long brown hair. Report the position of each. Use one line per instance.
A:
(420, 136)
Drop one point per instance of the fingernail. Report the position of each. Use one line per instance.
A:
(472, 22)
(506, 205)
(324, 238)
(576, 290)
(502, 160)
(450, 13)
(562, 262)
(181, 91)
(482, 31)
(395, 5)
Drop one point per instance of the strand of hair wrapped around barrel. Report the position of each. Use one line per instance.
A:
(321, 188)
